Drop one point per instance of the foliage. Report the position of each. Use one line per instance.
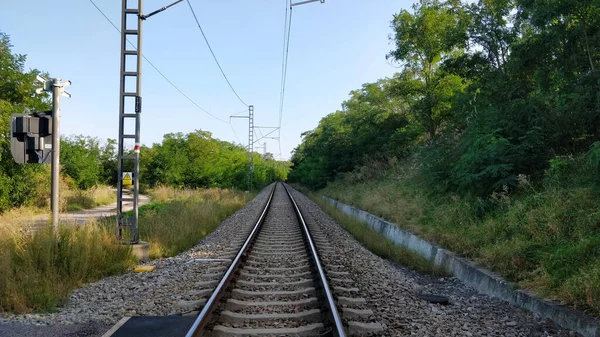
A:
(487, 91)
(197, 160)
(17, 95)
(544, 238)
(500, 108)
(372, 122)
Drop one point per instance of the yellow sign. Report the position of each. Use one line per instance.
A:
(127, 181)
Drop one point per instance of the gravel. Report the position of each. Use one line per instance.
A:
(94, 308)
(392, 292)
(275, 260)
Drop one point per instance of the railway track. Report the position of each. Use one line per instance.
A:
(276, 284)
(285, 280)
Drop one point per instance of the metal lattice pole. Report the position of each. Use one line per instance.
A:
(127, 227)
(250, 146)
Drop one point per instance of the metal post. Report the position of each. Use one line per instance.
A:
(250, 146)
(55, 180)
(138, 110)
(129, 225)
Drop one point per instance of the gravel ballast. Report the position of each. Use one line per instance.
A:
(391, 291)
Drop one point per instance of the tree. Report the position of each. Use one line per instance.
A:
(80, 159)
(17, 95)
(435, 31)
(108, 161)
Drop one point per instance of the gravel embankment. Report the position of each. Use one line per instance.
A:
(93, 309)
(392, 293)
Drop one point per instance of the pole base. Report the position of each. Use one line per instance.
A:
(141, 250)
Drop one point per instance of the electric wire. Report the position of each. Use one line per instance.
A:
(235, 133)
(285, 55)
(158, 71)
(213, 54)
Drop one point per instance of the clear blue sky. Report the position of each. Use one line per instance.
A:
(335, 47)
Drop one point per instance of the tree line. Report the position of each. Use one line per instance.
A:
(194, 160)
(487, 91)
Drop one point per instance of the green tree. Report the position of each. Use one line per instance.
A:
(108, 161)
(424, 39)
(17, 95)
(80, 159)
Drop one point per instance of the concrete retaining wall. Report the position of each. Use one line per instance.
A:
(475, 276)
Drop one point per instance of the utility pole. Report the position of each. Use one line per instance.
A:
(58, 89)
(263, 147)
(250, 147)
(130, 107)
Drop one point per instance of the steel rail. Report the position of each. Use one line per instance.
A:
(334, 315)
(197, 329)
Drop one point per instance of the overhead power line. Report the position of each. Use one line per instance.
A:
(286, 53)
(284, 64)
(158, 71)
(235, 133)
(213, 54)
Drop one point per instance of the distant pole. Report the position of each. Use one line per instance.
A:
(250, 146)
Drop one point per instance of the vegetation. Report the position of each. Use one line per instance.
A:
(37, 274)
(544, 238)
(196, 160)
(487, 91)
(177, 219)
(377, 243)
(16, 87)
(487, 141)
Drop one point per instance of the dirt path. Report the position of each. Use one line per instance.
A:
(86, 215)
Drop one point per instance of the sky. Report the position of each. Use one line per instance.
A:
(335, 47)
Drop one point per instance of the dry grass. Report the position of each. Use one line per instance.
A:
(70, 201)
(178, 219)
(37, 273)
(76, 200)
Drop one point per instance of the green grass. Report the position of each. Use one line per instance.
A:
(545, 238)
(37, 274)
(377, 243)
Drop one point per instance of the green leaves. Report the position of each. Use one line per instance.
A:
(198, 160)
(374, 122)
(487, 92)
(17, 93)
